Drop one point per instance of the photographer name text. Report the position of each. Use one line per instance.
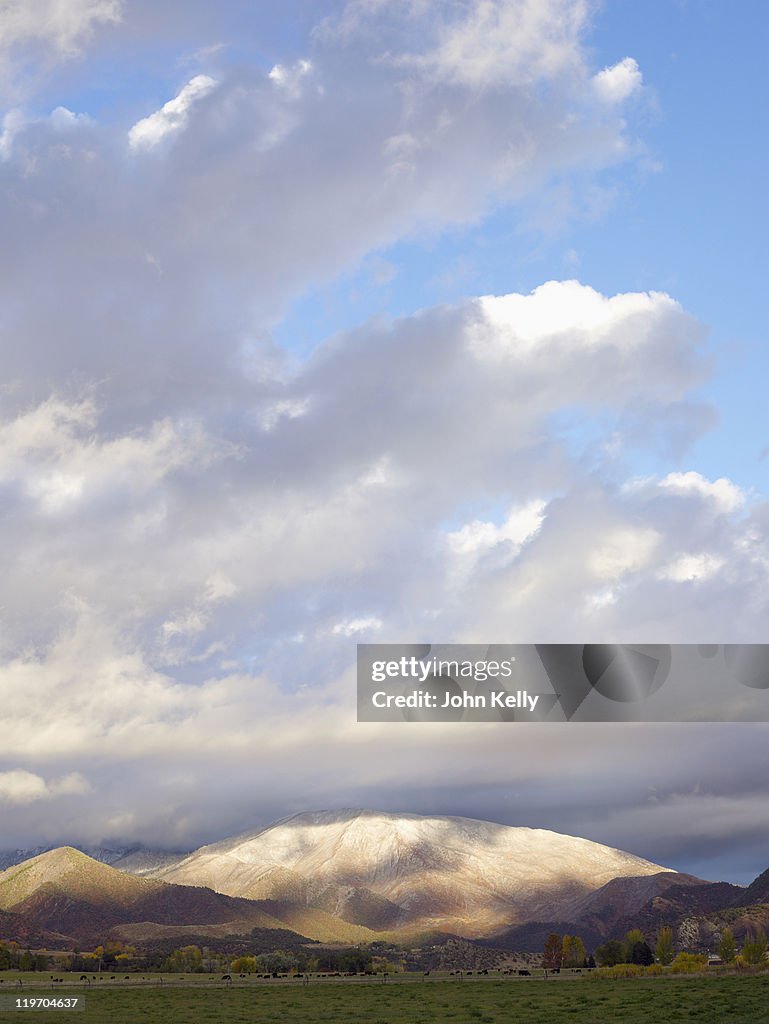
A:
(424, 699)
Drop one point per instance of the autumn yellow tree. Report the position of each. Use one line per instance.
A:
(574, 952)
(727, 947)
(552, 955)
(664, 949)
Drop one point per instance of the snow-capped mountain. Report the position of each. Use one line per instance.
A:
(405, 871)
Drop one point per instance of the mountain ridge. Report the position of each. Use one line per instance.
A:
(67, 892)
(357, 875)
(411, 871)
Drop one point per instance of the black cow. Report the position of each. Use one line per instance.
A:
(525, 974)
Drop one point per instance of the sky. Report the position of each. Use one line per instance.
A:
(406, 321)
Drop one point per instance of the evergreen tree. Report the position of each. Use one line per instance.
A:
(641, 954)
(633, 936)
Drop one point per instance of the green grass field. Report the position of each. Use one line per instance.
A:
(706, 1000)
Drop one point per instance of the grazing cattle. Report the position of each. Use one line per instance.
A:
(556, 970)
(84, 977)
(525, 974)
(112, 978)
(227, 977)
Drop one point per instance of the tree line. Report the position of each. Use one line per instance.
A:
(569, 951)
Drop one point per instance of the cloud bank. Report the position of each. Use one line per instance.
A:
(199, 523)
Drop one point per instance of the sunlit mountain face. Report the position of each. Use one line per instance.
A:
(408, 871)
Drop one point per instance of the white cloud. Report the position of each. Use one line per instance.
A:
(622, 550)
(193, 535)
(54, 453)
(205, 264)
(483, 42)
(172, 117)
(13, 121)
(61, 120)
(725, 495)
(692, 567)
(64, 24)
(571, 311)
(479, 536)
(23, 787)
(351, 627)
(290, 79)
(615, 84)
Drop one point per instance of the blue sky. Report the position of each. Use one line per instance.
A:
(353, 321)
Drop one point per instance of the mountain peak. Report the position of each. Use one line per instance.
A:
(446, 872)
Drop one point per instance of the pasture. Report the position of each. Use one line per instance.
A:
(406, 999)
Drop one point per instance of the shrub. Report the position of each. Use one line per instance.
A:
(689, 963)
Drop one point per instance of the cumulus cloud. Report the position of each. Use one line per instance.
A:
(186, 544)
(617, 83)
(479, 535)
(23, 787)
(53, 455)
(63, 24)
(183, 561)
(194, 250)
(172, 116)
(725, 495)
(494, 42)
